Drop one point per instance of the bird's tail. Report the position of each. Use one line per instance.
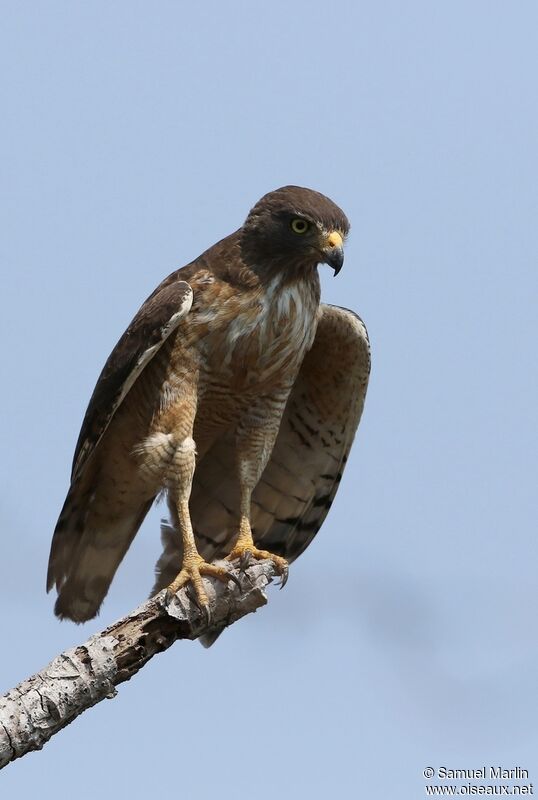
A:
(87, 549)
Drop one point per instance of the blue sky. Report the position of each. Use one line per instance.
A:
(135, 135)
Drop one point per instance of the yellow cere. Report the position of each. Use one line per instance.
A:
(334, 239)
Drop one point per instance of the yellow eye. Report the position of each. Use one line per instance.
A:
(299, 225)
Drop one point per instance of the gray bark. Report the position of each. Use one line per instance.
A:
(39, 707)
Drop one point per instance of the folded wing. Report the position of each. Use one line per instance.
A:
(97, 524)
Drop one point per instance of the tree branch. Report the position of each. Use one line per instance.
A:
(79, 678)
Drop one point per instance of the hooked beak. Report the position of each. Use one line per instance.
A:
(333, 251)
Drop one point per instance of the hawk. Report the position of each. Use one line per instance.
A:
(236, 394)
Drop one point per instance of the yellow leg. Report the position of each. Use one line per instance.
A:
(193, 567)
(244, 549)
(255, 438)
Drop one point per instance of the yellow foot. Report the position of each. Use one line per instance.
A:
(245, 551)
(192, 571)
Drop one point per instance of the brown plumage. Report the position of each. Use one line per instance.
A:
(233, 391)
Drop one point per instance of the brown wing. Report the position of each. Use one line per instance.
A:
(300, 481)
(158, 317)
(92, 533)
(322, 415)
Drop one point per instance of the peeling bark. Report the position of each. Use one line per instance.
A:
(39, 707)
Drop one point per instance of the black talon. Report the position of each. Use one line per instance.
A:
(192, 597)
(206, 611)
(284, 577)
(244, 560)
(203, 608)
(168, 597)
(235, 580)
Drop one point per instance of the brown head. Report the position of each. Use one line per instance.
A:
(294, 228)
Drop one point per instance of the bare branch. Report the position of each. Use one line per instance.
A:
(79, 678)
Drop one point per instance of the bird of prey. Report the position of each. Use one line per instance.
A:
(236, 394)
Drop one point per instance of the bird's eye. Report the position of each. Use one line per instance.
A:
(299, 225)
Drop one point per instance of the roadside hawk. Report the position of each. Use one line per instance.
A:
(236, 394)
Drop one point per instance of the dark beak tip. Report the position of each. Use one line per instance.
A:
(336, 260)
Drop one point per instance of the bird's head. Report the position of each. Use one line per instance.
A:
(294, 229)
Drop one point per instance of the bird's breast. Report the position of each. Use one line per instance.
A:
(264, 341)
